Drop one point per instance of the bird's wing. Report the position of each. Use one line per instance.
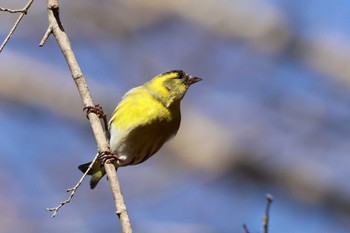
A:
(138, 107)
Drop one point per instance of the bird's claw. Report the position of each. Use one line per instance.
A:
(97, 109)
(107, 156)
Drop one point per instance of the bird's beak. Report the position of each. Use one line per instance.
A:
(191, 80)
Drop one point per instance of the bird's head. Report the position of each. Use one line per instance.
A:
(170, 87)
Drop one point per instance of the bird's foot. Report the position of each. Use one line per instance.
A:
(107, 156)
(97, 109)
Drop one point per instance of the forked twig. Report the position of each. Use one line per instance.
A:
(72, 190)
(266, 217)
(23, 11)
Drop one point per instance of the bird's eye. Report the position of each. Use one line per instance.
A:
(183, 76)
(180, 76)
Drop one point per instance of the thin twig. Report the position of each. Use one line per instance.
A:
(23, 11)
(12, 11)
(45, 37)
(101, 140)
(71, 190)
(245, 228)
(266, 217)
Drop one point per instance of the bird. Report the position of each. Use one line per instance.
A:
(146, 117)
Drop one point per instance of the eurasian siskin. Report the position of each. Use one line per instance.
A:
(144, 120)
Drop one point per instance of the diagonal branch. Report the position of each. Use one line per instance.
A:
(71, 190)
(245, 228)
(56, 28)
(23, 11)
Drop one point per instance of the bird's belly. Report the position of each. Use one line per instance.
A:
(136, 145)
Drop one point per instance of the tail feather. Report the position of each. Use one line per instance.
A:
(95, 178)
(84, 167)
(97, 172)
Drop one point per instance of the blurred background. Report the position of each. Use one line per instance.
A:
(270, 116)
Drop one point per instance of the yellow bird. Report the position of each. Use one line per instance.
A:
(147, 117)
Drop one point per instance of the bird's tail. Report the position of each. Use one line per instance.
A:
(96, 172)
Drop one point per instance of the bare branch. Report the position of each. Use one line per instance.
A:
(45, 37)
(245, 228)
(12, 11)
(23, 11)
(62, 39)
(72, 190)
(266, 217)
(121, 210)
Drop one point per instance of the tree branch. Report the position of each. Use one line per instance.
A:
(265, 222)
(71, 190)
(266, 217)
(23, 11)
(245, 228)
(56, 28)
